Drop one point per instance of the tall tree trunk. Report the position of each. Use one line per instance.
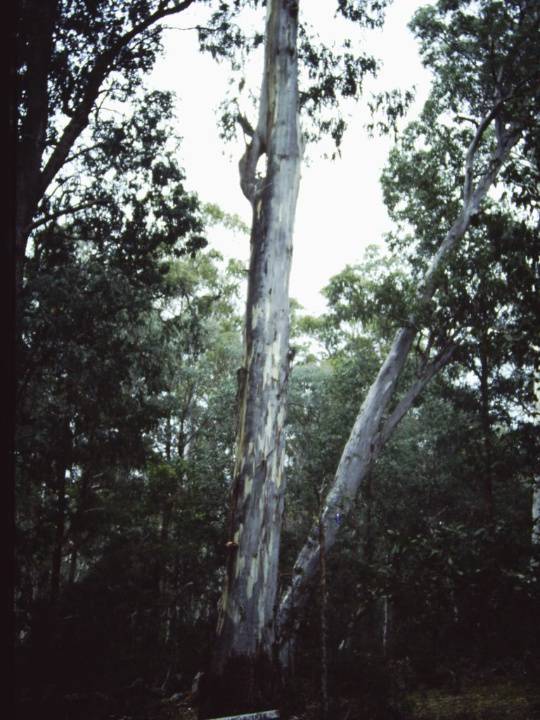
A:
(73, 565)
(159, 564)
(58, 549)
(485, 418)
(535, 517)
(535, 505)
(241, 676)
(385, 625)
(368, 524)
(365, 612)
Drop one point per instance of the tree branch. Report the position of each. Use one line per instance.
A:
(473, 147)
(67, 211)
(465, 118)
(245, 125)
(406, 402)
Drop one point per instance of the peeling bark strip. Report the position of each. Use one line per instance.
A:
(369, 433)
(245, 632)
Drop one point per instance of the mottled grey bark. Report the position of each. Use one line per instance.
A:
(370, 431)
(241, 676)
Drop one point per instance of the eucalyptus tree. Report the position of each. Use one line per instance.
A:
(242, 675)
(244, 634)
(485, 59)
(413, 558)
(487, 293)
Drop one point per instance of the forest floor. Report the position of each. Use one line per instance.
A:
(496, 700)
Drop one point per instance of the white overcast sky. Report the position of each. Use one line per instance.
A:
(340, 208)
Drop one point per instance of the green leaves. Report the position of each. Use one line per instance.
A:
(123, 195)
(327, 76)
(473, 48)
(372, 298)
(390, 106)
(368, 13)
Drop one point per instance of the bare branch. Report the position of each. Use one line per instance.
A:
(67, 211)
(245, 125)
(465, 118)
(81, 153)
(473, 147)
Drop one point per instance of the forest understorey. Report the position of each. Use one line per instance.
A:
(487, 696)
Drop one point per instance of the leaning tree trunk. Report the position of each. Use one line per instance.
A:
(371, 429)
(241, 677)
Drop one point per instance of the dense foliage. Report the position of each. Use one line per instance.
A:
(69, 58)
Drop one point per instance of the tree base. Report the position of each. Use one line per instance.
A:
(246, 685)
